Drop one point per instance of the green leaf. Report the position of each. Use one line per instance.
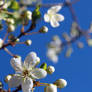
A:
(14, 5)
(44, 66)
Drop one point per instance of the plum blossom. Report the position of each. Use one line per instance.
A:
(54, 48)
(52, 16)
(26, 72)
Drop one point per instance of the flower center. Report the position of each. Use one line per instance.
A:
(25, 73)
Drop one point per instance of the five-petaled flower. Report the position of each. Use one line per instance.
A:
(26, 73)
(53, 17)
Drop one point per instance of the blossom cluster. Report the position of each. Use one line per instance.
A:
(27, 73)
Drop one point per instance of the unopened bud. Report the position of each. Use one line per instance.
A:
(28, 42)
(17, 40)
(10, 20)
(50, 69)
(8, 77)
(11, 28)
(44, 29)
(50, 88)
(1, 85)
(61, 83)
(29, 15)
(1, 43)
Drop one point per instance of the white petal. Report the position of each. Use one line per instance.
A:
(46, 18)
(16, 64)
(38, 73)
(30, 60)
(54, 9)
(59, 17)
(27, 85)
(54, 22)
(15, 81)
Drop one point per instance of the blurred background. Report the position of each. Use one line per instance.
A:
(76, 69)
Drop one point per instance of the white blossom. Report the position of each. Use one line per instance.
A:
(25, 73)
(52, 16)
(54, 48)
(1, 43)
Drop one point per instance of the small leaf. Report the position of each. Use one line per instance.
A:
(44, 66)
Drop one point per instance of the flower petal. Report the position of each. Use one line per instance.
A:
(30, 60)
(27, 85)
(16, 64)
(59, 17)
(15, 81)
(54, 22)
(54, 9)
(38, 73)
(46, 18)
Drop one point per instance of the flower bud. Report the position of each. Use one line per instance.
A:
(50, 69)
(61, 83)
(8, 77)
(1, 85)
(11, 28)
(10, 20)
(44, 29)
(17, 40)
(29, 15)
(51, 88)
(28, 42)
(1, 43)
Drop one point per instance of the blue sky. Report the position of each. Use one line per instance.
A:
(76, 69)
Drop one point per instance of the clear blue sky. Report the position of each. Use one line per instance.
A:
(77, 69)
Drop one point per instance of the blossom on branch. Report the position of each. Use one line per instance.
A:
(53, 17)
(54, 48)
(26, 73)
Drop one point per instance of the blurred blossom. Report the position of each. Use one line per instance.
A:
(26, 73)
(29, 2)
(90, 29)
(54, 48)
(69, 52)
(74, 31)
(66, 36)
(89, 42)
(52, 16)
(80, 44)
